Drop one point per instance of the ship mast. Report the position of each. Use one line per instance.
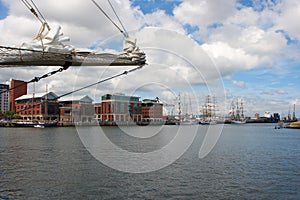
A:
(46, 104)
(179, 107)
(32, 102)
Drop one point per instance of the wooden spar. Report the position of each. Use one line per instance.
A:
(25, 57)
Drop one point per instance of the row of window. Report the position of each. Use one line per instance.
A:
(30, 113)
(26, 106)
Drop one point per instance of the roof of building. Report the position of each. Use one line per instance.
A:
(49, 95)
(82, 98)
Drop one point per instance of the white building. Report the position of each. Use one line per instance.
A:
(267, 114)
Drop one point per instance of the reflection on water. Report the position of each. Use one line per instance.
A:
(250, 161)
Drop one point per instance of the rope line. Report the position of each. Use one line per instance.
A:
(107, 16)
(101, 81)
(36, 12)
(125, 32)
(37, 79)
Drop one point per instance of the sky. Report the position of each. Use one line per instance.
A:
(232, 49)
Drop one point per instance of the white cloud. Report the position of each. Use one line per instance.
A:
(287, 18)
(80, 20)
(229, 59)
(161, 19)
(204, 12)
(239, 83)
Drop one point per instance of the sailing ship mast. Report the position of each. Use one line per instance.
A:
(179, 107)
(208, 109)
(237, 115)
(46, 104)
(32, 102)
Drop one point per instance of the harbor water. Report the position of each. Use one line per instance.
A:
(251, 161)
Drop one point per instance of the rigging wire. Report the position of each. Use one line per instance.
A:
(102, 81)
(107, 16)
(37, 79)
(36, 12)
(126, 33)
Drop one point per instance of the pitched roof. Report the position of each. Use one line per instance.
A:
(50, 96)
(82, 98)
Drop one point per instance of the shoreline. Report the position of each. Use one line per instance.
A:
(292, 125)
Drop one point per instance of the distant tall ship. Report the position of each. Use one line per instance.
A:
(237, 113)
(209, 111)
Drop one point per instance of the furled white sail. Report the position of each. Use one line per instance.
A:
(51, 41)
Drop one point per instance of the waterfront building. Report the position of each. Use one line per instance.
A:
(4, 98)
(97, 107)
(119, 108)
(267, 114)
(76, 110)
(276, 117)
(39, 107)
(152, 111)
(17, 89)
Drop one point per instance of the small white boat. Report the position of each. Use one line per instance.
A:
(39, 126)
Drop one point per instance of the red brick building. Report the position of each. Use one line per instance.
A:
(40, 107)
(152, 111)
(118, 108)
(97, 107)
(76, 110)
(20, 89)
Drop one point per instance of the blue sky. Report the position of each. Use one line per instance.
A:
(3, 10)
(149, 6)
(260, 34)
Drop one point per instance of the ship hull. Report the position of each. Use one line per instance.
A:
(238, 122)
(33, 124)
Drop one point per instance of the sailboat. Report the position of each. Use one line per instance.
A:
(237, 113)
(209, 112)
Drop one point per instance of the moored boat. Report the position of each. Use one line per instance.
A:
(34, 123)
(39, 126)
(238, 122)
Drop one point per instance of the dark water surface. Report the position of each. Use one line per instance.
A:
(252, 161)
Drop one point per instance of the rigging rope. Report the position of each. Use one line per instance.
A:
(37, 79)
(107, 16)
(101, 81)
(125, 32)
(37, 13)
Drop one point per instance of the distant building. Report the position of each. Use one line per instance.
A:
(40, 107)
(119, 108)
(152, 110)
(267, 114)
(256, 116)
(97, 107)
(276, 117)
(18, 89)
(4, 98)
(76, 110)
